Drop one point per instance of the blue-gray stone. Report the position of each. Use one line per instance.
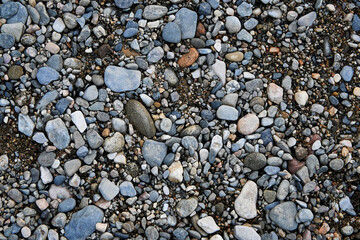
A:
(46, 75)
(245, 9)
(127, 189)
(131, 24)
(154, 12)
(120, 79)
(180, 234)
(271, 170)
(308, 19)
(6, 40)
(124, 3)
(44, 16)
(47, 99)
(266, 136)
(20, 16)
(345, 204)
(284, 216)
(347, 73)
(25, 125)
(251, 24)
(58, 133)
(154, 152)
(130, 32)
(155, 55)
(59, 179)
(56, 62)
(62, 105)
(8, 9)
(83, 223)
(82, 151)
(187, 21)
(214, 3)
(244, 35)
(67, 205)
(204, 8)
(356, 23)
(171, 33)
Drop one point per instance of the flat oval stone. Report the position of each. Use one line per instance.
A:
(228, 113)
(245, 203)
(235, 56)
(308, 19)
(46, 75)
(248, 124)
(186, 206)
(154, 12)
(140, 118)
(255, 161)
(124, 3)
(120, 79)
(154, 152)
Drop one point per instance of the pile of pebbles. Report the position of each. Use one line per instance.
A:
(196, 119)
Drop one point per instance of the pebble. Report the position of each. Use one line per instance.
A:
(246, 233)
(127, 189)
(114, 143)
(308, 19)
(171, 33)
(208, 224)
(26, 125)
(255, 161)
(187, 21)
(57, 133)
(46, 75)
(347, 73)
(301, 98)
(6, 40)
(227, 113)
(82, 223)
(154, 12)
(232, 24)
(275, 93)
(245, 203)
(185, 207)
(176, 172)
(108, 189)
(284, 216)
(248, 124)
(154, 152)
(140, 118)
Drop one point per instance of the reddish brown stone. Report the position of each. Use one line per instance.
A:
(200, 30)
(189, 58)
(104, 50)
(294, 165)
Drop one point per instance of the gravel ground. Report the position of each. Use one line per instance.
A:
(179, 119)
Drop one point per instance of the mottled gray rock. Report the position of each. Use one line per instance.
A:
(186, 206)
(232, 24)
(108, 189)
(57, 133)
(155, 55)
(308, 19)
(154, 12)
(114, 143)
(46, 75)
(284, 215)
(120, 79)
(25, 125)
(94, 139)
(255, 161)
(6, 40)
(227, 113)
(187, 21)
(14, 29)
(83, 222)
(124, 3)
(154, 152)
(246, 233)
(245, 203)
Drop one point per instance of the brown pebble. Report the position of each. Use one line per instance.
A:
(105, 132)
(15, 72)
(104, 50)
(294, 165)
(189, 58)
(200, 30)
